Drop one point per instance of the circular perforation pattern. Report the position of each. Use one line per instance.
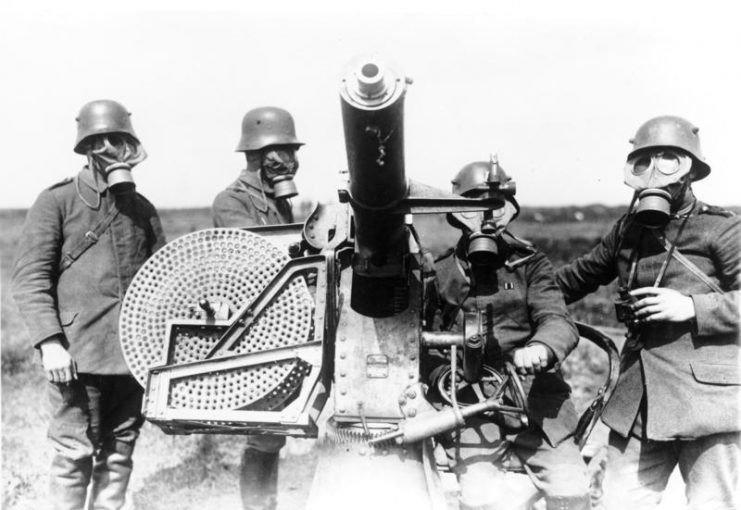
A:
(228, 266)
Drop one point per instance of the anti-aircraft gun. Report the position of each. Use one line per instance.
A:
(321, 329)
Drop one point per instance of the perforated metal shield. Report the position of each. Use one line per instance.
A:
(228, 267)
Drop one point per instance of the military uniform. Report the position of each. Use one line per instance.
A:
(521, 305)
(95, 418)
(679, 381)
(245, 204)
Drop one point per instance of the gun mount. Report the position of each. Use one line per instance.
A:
(322, 329)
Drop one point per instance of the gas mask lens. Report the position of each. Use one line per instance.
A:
(666, 162)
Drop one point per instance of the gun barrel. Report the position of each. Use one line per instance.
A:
(372, 97)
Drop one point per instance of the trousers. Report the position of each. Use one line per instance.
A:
(482, 458)
(639, 470)
(95, 421)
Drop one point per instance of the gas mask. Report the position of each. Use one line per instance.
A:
(654, 175)
(279, 165)
(485, 245)
(113, 156)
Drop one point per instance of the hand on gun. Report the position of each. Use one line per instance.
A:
(59, 366)
(532, 359)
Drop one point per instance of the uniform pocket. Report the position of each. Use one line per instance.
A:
(713, 373)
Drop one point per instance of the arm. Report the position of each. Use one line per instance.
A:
(719, 313)
(585, 274)
(552, 324)
(555, 335)
(35, 272)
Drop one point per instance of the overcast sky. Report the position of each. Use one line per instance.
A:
(555, 88)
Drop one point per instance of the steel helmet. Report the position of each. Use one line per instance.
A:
(671, 131)
(101, 117)
(265, 126)
(478, 175)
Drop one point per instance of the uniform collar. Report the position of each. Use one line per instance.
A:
(87, 177)
(251, 179)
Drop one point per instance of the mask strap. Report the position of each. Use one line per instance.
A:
(634, 261)
(625, 226)
(672, 247)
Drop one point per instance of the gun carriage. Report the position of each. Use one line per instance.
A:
(322, 329)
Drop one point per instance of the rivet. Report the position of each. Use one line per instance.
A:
(411, 393)
(412, 412)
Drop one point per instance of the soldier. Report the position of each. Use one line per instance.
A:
(511, 284)
(677, 263)
(261, 196)
(83, 240)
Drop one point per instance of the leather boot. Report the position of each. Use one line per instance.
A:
(258, 480)
(69, 481)
(111, 473)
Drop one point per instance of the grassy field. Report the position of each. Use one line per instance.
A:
(201, 471)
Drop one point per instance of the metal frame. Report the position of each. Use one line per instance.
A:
(299, 416)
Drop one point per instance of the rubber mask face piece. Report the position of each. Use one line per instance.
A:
(651, 174)
(485, 245)
(113, 156)
(656, 169)
(279, 165)
(473, 221)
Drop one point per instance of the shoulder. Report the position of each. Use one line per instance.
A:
(145, 203)
(716, 220)
(713, 210)
(55, 194)
(67, 181)
(519, 245)
(230, 197)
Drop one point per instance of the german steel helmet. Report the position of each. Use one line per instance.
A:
(265, 126)
(101, 117)
(478, 175)
(671, 131)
